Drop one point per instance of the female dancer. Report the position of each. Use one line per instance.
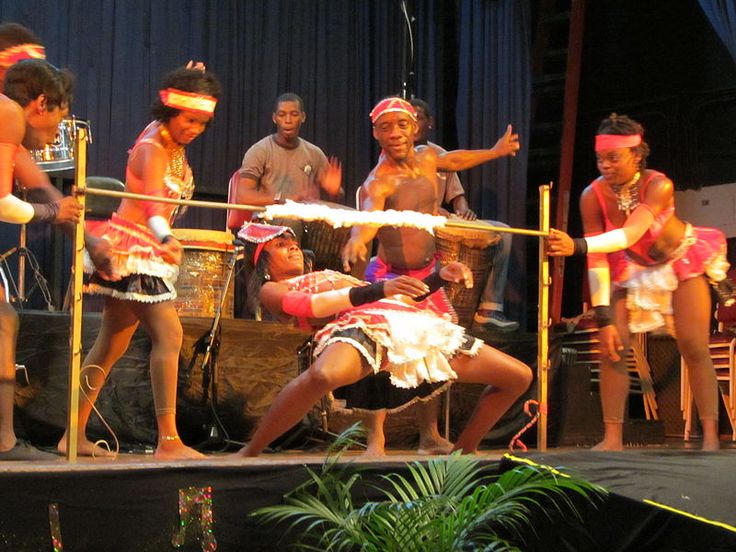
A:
(646, 268)
(389, 326)
(146, 255)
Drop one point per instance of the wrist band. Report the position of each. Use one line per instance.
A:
(434, 281)
(45, 212)
(366, 294)
(580, 245)
(603, 315)
(159, 226)
(167, 238)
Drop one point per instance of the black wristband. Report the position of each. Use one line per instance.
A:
(366, 294)
(581, 246)
(167, 238)
(45, 212)
(603, 315)
(434, 281)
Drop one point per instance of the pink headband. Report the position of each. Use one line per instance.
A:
(14, 54)
(189, 101)
(261, 234)
(387, 105)
(616, 141)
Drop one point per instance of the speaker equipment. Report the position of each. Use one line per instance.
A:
(256, 360)
(575, 416)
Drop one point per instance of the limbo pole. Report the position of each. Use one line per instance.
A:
(543, 321)
(75, 333)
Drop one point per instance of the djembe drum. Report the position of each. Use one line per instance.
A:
(325, 241)
(203, 273)
(474, 248)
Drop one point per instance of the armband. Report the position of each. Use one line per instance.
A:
(434, 282)
(297, 303)
(608, 242)
(45, 212)
(160, 227)
(580, 246)
(603, 316)
(366, 294)
(15, 210)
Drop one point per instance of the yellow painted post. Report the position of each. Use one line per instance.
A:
(75, 331)
(544, 322)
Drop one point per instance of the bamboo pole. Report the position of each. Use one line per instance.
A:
(471, 225)
(75, 331)
(543, 322)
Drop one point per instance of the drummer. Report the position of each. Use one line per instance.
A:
(285, 166)
(278, 167)
(490, 313)
(405, 179)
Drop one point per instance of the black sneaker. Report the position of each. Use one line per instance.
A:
(23, 451)
(495, 320)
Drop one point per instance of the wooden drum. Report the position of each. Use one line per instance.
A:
(203, 273)
(474, 248)
(325, 241)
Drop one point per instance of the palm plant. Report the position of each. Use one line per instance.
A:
(447, 504)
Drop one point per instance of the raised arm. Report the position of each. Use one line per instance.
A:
(458, 160)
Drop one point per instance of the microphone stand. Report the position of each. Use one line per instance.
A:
(209, 346)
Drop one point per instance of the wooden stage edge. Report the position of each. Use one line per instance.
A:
(680, 499)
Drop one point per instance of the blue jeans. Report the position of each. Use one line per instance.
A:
(493, 293)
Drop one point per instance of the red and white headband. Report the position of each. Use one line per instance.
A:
(616, 141)
(188, 101)
(393, 104)
(14, 54)
(261, 234)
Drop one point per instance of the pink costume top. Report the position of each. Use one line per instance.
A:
(649, 284)
(641, 248)
(134, 248)
(178, 180)
(414, 341)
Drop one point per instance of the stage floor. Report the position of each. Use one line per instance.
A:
(661, 498)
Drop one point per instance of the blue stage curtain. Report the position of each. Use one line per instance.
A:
(494, 90)
(722, 15)
(471, 62)
(340, 57)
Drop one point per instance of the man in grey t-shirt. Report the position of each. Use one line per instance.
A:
(284, 166)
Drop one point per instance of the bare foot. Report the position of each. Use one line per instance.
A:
(85, 447)
(174, 449)
(711, 445)
(437, 446)
(606, 446)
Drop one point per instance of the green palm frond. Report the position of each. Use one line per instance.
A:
(450, 504)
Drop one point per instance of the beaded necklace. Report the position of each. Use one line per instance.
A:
(627, 194)
(177, 159)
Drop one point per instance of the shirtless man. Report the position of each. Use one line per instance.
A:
(406, 179)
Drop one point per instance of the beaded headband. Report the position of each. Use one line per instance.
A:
(393, 104)
(261, 234)
(188, 101)
(12, 55)
(616, 141)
